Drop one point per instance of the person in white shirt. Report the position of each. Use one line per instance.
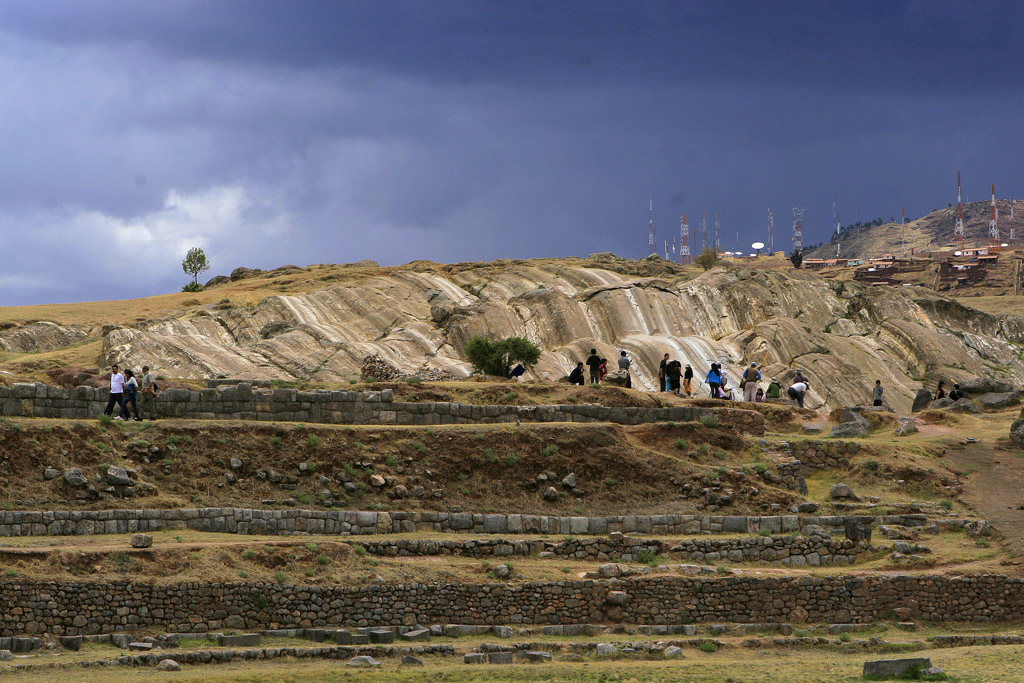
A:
(797, 391)
(116, 391)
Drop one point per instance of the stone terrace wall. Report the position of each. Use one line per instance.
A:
(241, 402)
(64, 608)
(357, 522)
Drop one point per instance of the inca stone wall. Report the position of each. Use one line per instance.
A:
(62, 608)
(359, 522)
(241, 402)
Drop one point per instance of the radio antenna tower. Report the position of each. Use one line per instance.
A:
(651, 230)
(704, 231)
(903, 231)
(1013, 232)
(666, 250)
(958, 231)
(993, 227)
(798, 229)
(718, 231)
(771, 232)
(835, 224)
(684, 239)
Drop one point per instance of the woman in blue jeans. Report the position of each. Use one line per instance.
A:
(131, 390)
(714, 380)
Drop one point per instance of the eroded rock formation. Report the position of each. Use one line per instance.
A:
(842, 335)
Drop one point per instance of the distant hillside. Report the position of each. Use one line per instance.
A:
(934, 231)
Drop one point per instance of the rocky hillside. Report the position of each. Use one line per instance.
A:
(933, 231)
(843, 336)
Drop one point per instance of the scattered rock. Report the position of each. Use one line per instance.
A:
(994, 400)
(377, 480)
(980, 528)
(569, 481)
(6, 655)
(811, 428)
(537, 656)
(616, 378)
(617, 598)
(606, 650)
(933, 671)
(671, 652)
(409, 660)
(984, 385)
(851, 430)
(905, 426)
(503, 632)
(841, 492)
(550, 494)
(502, 571)
(966, 405)
(50, 473)
(236, 463)
(74, 478)
(474, 658)
(499, 657)
(117, 476)
(142, 541)
(807, 508)
(364, 661)
(921, 400)
(168, 665)
(890, 668)
(815, 530)
(856, 531)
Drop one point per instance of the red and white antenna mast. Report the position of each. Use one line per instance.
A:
(651, 230)
(684, 239)
(704, 231)
(771, 232)
(718, 231)
(993, 227)
(798, 229)
(835, 224)
(958, 231)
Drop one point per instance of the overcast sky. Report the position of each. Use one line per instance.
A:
(273, 132)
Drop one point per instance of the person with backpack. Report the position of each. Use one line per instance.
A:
(751, 376)
(714, 380)
(955, 395)
(594, 363)
(688, 381)
(673, 374)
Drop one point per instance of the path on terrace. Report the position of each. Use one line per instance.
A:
(994, 487)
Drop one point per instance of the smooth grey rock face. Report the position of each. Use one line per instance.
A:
(894, 667)
(966, 405)
(671, 652)
(474, 658)
(850, 430)
(984, 385)
(997, 399)
(921, 400)
(168, 665)
(606, 649)
(841, 492)
(117, 476)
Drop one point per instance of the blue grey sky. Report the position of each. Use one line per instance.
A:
(271, 132)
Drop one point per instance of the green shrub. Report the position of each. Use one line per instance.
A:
(703, 449)
(243, 575)
(760, 468)
(709, 646)
(324, 560)
(871, 465)
(280, 577)
(497, 358)
(649, 557)
(104, 419)
(359, 550)
(682, 444)
(275, 441)
(479, 436)
(302, 497)
(313, 440)
(801, 633)
(709, 420)
(248, 555)
(463, 490)
(550, 450)
(420, 447)
(511, 459)
(259, 600)
(489, 456)
(609, 482)
(390, 461)
(413, 379)
(174, 439)
(312, 547)
(946, 503)
(844, 637)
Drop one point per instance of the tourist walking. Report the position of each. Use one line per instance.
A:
(673, 374)
(876, 395)
(116, 391)
(688, 381)
(661, 373)
(594, 363)
(624, 363)
(148, 395)
(714, 380)
(131, 389)
(751, 376)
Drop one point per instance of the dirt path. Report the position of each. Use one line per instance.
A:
(994, 487)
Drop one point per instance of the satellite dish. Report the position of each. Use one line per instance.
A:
(757, 245)
(958, 253)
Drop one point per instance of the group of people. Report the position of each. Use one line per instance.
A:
(126, 390)
(673, 378)
(599, 368)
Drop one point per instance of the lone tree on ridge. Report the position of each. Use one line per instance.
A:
(195, 263)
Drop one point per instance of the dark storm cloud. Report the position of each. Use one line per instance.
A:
(272, 132)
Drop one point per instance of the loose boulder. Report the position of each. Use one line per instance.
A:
(142, 541)
(921, 401)
(841, 492)
(117, 476)
(891, 668)
(364, 661)
(74, 478)
(905, 426)
(617, 378)
(994, 400)
(168, 665)
(966, 405)
(984, 385)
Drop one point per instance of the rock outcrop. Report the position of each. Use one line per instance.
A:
(843, 336)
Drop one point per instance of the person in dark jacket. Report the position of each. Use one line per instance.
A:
(674, 372)
(955, 395)
(661, 373)
(941, 391)
(876, 394)
(624, 363)
(688, 381)
(576, 376)
(594, 363)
